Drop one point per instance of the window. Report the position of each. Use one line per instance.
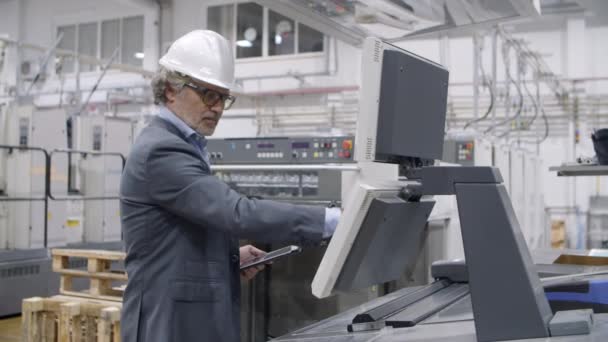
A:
(310, 40)
(221, 20)
(100, 39)
(110, 37)
(132, 41)
(260, 32)
(250, 27)
(68, 42)
(281, 35)
(87, 43)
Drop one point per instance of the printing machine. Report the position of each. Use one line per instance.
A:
(33, 140)
(313, 170)
(496, 292)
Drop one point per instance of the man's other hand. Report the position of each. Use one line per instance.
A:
(247, 254)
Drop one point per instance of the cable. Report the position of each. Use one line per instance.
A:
(491, 106)
(544, 116)
(59, 73)
(529, 124)
(487, 84)
(517, 113)
(521, 96)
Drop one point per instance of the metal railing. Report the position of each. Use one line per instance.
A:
(47, 179)
(83, 154)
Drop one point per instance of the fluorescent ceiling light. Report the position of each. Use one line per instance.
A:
(244, 43)
(139, 55)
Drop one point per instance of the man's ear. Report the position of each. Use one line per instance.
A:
(170, 93)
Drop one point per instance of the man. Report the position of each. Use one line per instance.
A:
(181, 224)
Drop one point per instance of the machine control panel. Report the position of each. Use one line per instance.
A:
(459, 152)
(301, 150)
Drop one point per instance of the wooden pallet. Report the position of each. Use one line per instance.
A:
(98, 272)
(70, 319)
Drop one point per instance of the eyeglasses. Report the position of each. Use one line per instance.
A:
(211, 97)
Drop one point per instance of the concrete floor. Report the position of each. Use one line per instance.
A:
(10, 329)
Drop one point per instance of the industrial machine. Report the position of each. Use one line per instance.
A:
(30, 221)
(597, 220)
(467, 150)
(95, 178)
(52, 195)
(304, 170)
(495, 294)
(521, 171)
(294, 169)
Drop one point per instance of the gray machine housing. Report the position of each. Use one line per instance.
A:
(383, 249)
(411, 113)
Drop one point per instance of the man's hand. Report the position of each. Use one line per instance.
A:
(249, 253)
(332, 216)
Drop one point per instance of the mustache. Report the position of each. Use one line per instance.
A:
(211, 115)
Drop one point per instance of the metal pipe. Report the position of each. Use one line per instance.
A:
(56, 92)
(476, 61)
(81, 57)
(569, 80)
(103, 73)
(302, 91)
(44, 63)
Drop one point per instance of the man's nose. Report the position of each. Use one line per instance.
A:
(218, 107)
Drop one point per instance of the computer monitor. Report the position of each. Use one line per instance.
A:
(402, 118)
(402, 105)
(378, 237)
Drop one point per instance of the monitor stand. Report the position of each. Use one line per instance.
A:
(507, 296)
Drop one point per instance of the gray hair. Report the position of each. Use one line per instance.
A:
(162, 80)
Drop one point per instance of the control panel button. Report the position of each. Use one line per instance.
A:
(346, 154)
(294, 154)
(304, 155)
(315, 155)
(316, 145)
(334, 144)
(330, 154)
(347, 144)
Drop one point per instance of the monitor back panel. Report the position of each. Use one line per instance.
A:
(412, 109)
(389, 240)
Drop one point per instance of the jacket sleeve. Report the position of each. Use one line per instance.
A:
(178, 182)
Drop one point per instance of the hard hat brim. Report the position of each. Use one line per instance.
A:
(172, 66)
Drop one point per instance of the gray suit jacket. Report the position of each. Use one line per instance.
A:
(181, 227)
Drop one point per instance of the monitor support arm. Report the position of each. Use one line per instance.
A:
(507, 296)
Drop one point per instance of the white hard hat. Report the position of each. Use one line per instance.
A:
(203, 55)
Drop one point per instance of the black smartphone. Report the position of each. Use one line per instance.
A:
(271, 256)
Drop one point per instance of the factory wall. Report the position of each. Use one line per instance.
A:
(36, 22)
